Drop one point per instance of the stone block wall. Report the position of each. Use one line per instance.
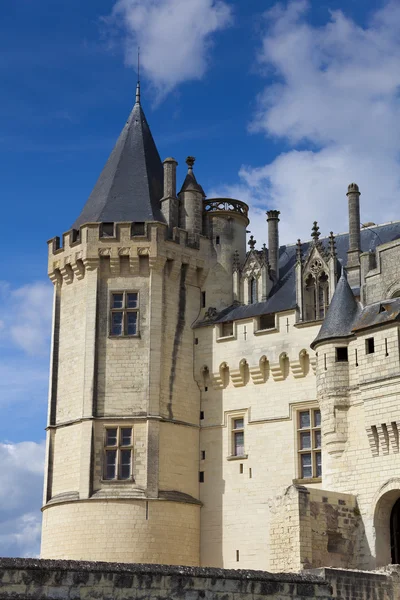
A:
(312, 527)
(363, 585)
(27, 579)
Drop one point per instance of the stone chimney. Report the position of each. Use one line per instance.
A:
(273, 242)
(169, 201)
(353, 254)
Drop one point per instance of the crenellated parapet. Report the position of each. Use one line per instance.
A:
(122, 248)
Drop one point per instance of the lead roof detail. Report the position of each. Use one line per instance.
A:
(130, 185)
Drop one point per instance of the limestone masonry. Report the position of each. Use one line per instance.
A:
(213, 404)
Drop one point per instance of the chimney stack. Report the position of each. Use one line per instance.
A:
(273, 242)
(353, 254)
(169, 201)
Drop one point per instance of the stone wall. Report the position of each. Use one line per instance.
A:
(312, 527)
(26, 579)
(363, 585)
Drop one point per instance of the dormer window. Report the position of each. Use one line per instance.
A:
(316, 295)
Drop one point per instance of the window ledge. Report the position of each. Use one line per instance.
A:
(116, 481)
(266, 331)
(307, 480)
(226, 338)
(238, 457)
(308, 323)
(122, 337)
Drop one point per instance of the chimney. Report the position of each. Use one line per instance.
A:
(273, 242)
(353, 254)
(169, 201)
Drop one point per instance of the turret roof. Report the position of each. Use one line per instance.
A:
(130, 185)
(341, 314)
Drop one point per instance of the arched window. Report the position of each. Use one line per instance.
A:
(253, 290)
(310, 299)
(316, 295)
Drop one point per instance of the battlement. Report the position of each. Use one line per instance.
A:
(81, 250)
(227, 205)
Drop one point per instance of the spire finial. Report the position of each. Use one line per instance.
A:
(315, 232)
(190, 162)
(299, 251)
(138, 77)
(332, 244)
(252, 242)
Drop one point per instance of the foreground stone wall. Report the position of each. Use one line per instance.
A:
(363, 585)
(28, 579)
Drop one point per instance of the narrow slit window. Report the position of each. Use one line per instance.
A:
(201, 476)
(203, 299)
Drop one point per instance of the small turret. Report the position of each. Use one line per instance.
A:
(191, 204)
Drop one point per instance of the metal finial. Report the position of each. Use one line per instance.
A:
(138, 77)
(252, 242)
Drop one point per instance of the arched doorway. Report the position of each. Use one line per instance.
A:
(387, 524)
(395, 532)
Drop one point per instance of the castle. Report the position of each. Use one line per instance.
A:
(213, 405)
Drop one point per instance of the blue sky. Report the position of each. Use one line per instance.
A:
(282, 105)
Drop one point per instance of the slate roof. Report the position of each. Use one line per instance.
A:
(341, 313)
(283, 294)
(130, 186)
(379, 313)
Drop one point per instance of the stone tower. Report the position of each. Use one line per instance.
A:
(122, 469)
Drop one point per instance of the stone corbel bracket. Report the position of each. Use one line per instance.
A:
(278, 369)
(218, 379)
(258, 374)
(298, 367)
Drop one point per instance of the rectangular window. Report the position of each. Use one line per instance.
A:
(267, 322)
(227, 329)
(203, 299)
(118, 453)
(342, 354)
(309, 443)
(369, 346)
(107, 230)
(137, 229)
(238, 437)
(124, 313)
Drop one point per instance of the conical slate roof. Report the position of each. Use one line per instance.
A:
(190, 183)
(130, 186)
(341, 314)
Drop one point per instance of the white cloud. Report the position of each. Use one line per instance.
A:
(335, 92)
(25, 316)
(21, 485)
(174, 36)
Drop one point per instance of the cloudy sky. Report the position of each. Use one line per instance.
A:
(282, 104)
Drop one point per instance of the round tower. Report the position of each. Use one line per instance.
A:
(121, 476)
(226, 221)
(333, 377)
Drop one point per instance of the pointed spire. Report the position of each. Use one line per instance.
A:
(130, 185)
(341, 314)
(190, 182)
